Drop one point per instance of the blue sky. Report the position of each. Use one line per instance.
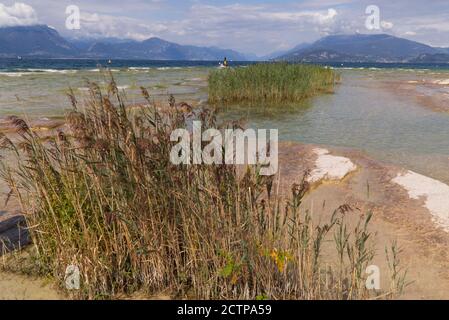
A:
(249, 26)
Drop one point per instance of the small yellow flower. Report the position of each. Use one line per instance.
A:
(280, 258)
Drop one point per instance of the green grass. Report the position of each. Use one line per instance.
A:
(270, 82)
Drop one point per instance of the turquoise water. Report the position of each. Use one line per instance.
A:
(365, 116)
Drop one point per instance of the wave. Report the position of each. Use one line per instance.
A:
(49, 70)
(24, 72)
(169, 68)
(356, 68)
(98, 70)
(12, 74)
(39, 71)
(156, 68)
(139, 68)
(118, 87)
(42, 71)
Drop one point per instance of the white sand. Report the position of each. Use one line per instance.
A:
(329, 167)
(434, 192)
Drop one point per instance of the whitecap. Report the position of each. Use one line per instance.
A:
(11, 74)
(169, 68)
(33, 71)
(139, 68)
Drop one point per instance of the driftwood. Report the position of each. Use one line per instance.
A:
(13, 234)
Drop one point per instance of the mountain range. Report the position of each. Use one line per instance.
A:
(34, 41)
(366, 48)
(158, 49)
(42, 41)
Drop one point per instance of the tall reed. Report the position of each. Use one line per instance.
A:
(103, 196)
(270, 82)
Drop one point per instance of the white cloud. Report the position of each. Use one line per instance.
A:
(18, 14)
(101, 25)
(248, 26)
(251, 26)
(386, 25)
(317, 18)
(209, 25)
(256, 13)
(431, 29)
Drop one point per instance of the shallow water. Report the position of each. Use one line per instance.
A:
(43, 93)
(362, 114)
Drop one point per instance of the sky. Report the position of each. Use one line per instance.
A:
(249, 26)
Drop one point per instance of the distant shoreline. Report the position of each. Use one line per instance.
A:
(11, 64)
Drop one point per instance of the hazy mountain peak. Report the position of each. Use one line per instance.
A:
(361, 48)
(155, 40)
(44, 41)
(37, 40)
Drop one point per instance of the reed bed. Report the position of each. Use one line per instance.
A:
(270, 82)
(103, 196)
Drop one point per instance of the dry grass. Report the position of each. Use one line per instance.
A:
(104, 196)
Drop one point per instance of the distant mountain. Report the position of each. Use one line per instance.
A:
(280, 53)
(36, 41)
(84, 44)
(432, 58)
(43, 41)
(444, 50)
(252, 57)
(323, 55)
(361, 48)
(158, 49)
(272, 55)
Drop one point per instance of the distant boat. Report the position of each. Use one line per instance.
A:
(109, 61)
(19, 58)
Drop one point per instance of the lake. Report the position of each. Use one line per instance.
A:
(363, 113)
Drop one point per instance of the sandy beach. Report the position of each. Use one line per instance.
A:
(430, 92)
(342, 176)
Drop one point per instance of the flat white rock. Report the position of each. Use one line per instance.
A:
(329, 167)
(434, 192)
